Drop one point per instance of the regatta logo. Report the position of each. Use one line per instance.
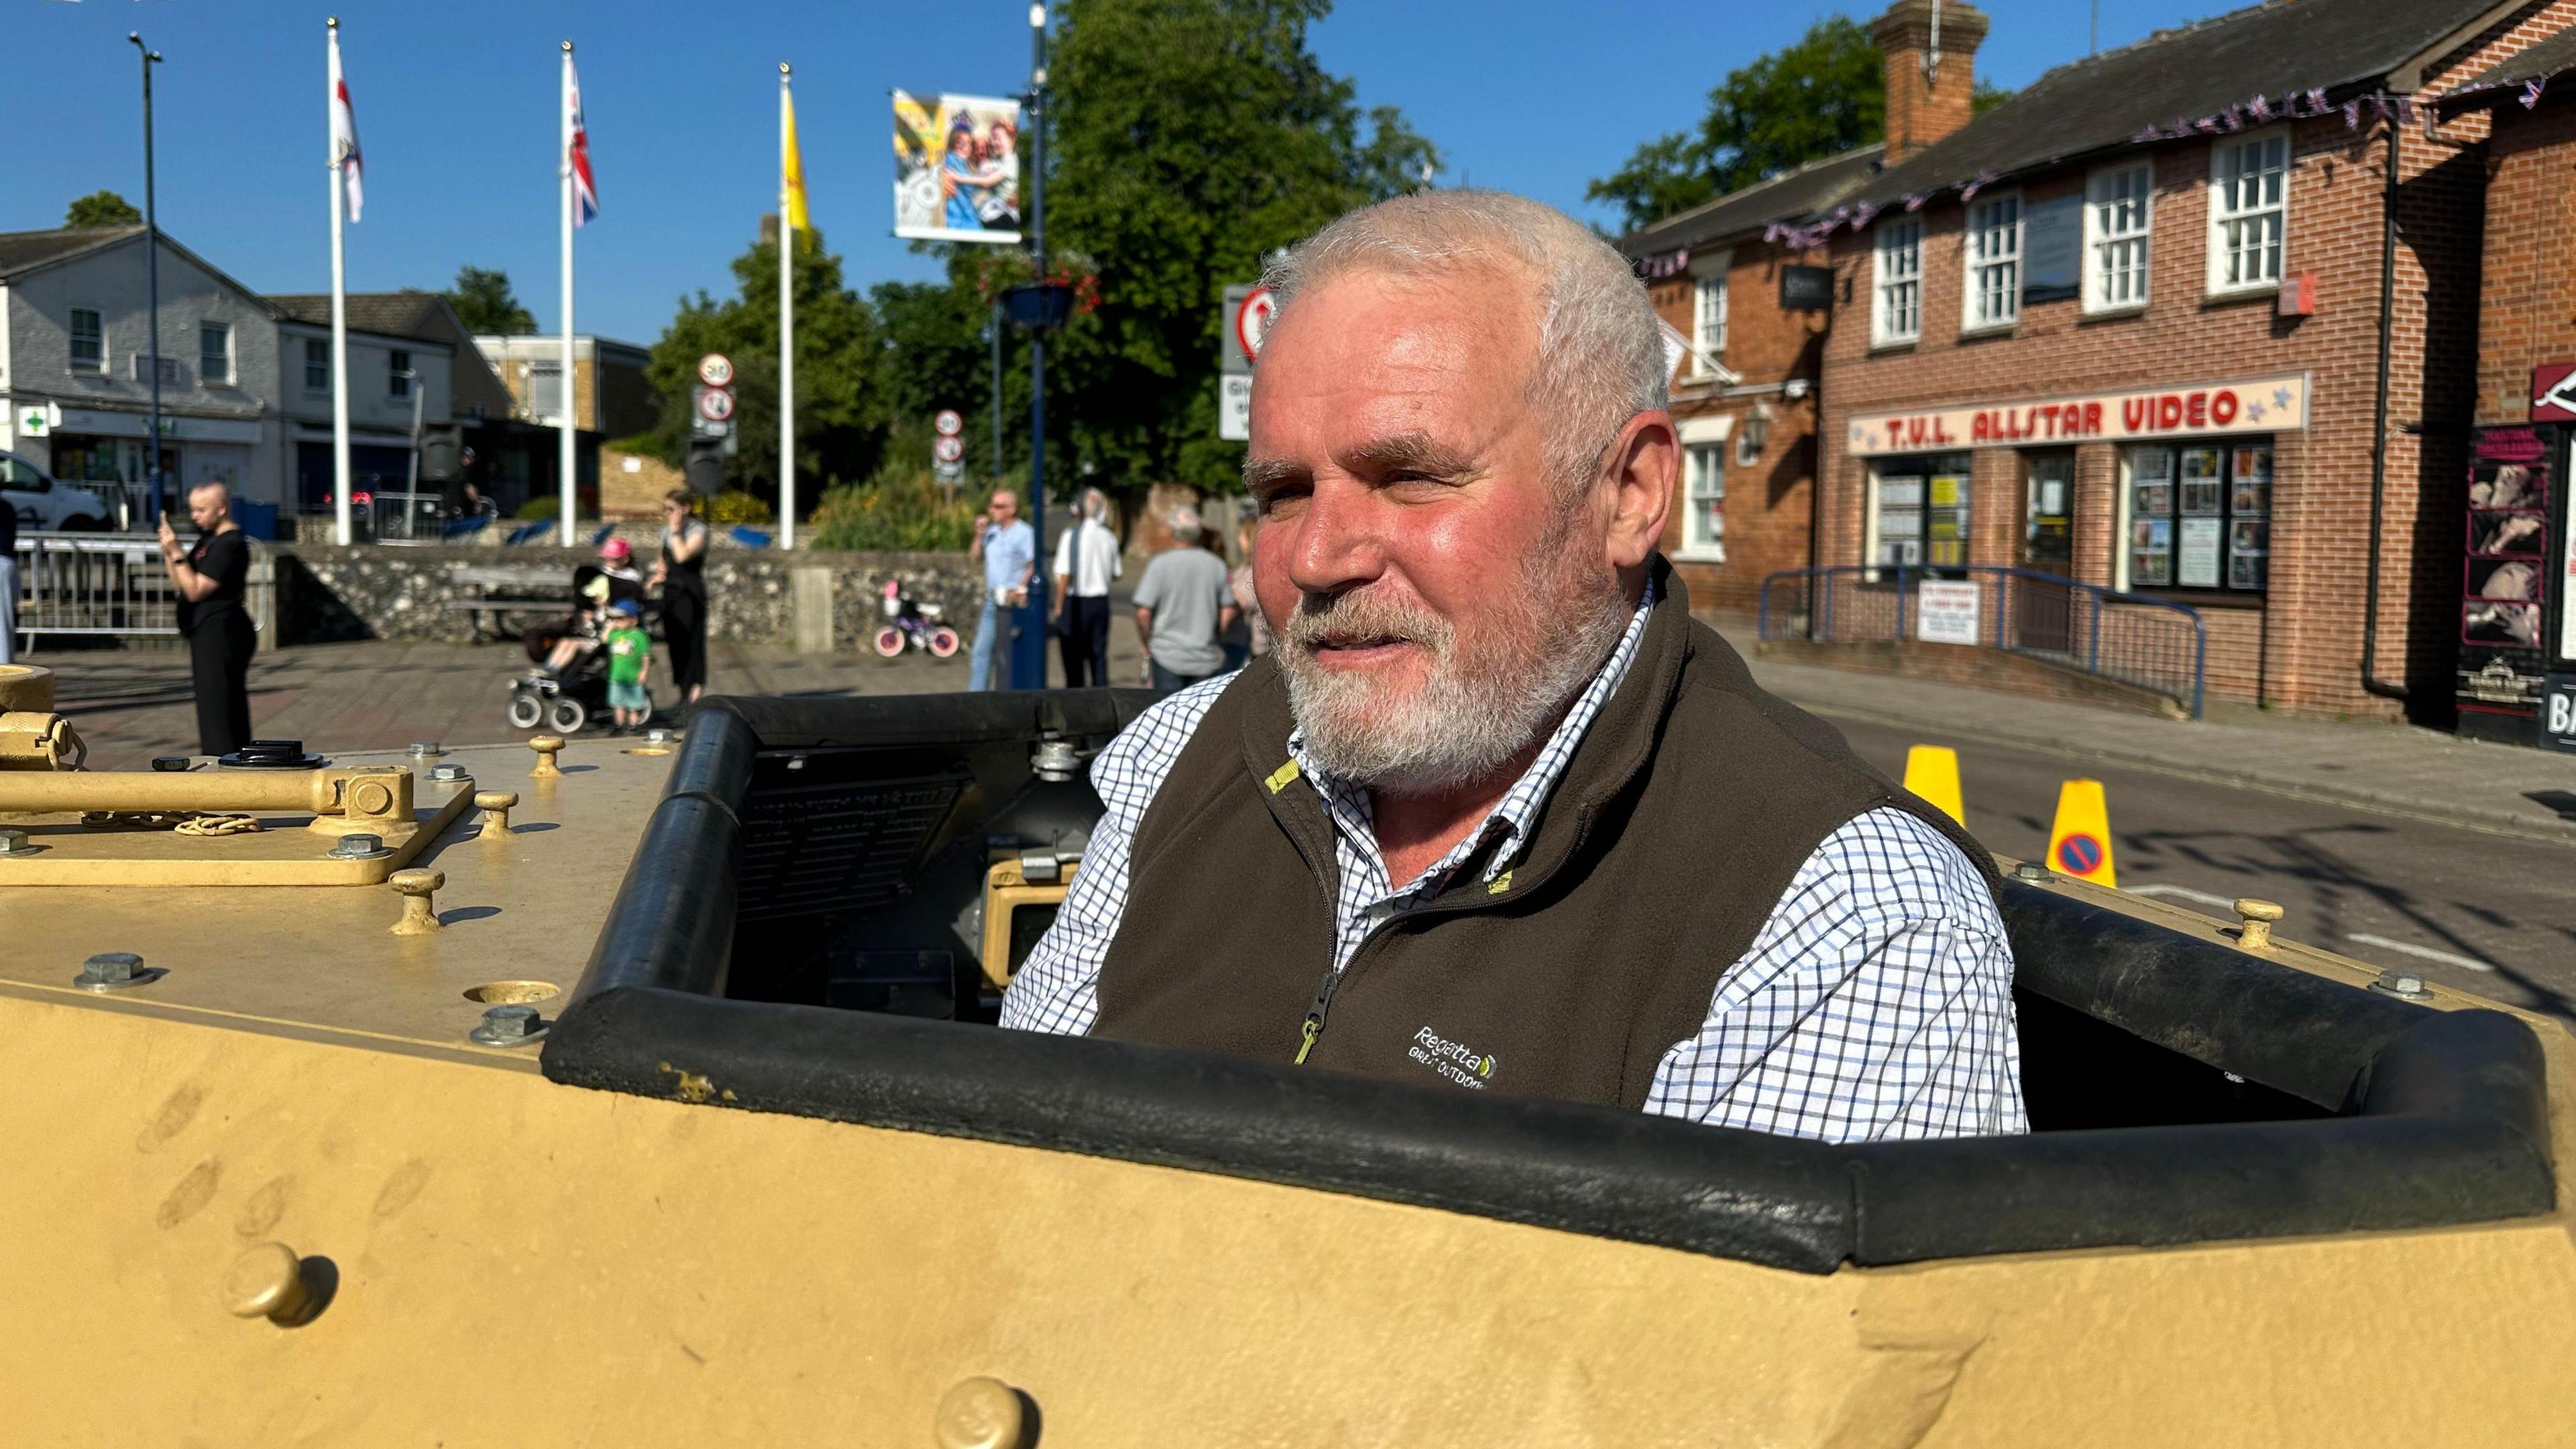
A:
(1451, 1059)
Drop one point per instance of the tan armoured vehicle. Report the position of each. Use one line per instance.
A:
(644, 1094)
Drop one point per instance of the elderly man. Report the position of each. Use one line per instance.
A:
(1495, 814)
(1008, 550)
(210, 576)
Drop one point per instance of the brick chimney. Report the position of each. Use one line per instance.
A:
(1931, 50)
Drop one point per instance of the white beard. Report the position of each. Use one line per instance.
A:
(1476, 708)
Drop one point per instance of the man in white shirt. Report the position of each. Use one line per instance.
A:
(1086, 564)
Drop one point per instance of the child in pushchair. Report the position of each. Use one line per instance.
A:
(568, 684)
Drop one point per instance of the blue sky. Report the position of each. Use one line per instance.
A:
(456, 108)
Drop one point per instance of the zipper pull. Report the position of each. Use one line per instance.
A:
(1315, 1014)
(1314, 1028)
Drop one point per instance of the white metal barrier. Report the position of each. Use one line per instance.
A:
(93, 584)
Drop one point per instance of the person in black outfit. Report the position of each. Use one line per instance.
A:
(210, 577)
(8, 581)
(682, 575)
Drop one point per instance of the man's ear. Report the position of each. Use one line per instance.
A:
(1640, 470)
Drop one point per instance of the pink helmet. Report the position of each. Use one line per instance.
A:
(616, 549)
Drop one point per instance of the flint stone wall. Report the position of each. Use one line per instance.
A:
(376, 591)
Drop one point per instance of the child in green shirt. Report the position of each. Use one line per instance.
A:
(630, 663)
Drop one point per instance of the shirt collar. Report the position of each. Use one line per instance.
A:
(1509, 824)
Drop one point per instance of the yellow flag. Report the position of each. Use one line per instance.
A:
(791, 167)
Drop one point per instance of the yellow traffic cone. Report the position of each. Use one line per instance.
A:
(1932, 772)
(2079, 842)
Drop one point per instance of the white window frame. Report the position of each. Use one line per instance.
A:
(2224, 212)
(1703, 439)
(1708, 324)
(1887, 282)
(1975, 263)
(2104, 209)
(211, 377)
(309, 384)
(71, 332)
(399, 376)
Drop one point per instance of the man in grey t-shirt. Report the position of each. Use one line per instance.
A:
(1182, 604)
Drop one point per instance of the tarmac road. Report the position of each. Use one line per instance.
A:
(2488, 911)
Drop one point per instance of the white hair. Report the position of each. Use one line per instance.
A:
(1185, 522)
(1601, 357)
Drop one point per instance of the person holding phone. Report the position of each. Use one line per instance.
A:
(210, 576)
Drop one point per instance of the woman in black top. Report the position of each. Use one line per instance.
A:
(210, 577)
(682, 575)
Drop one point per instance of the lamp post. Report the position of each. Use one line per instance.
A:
(1028, 651)
(151, 282)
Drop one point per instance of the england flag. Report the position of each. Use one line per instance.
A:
(585, 193)
(344, 133)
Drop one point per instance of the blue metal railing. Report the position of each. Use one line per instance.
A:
(2152, 643)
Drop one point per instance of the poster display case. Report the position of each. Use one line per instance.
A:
(2506, 643)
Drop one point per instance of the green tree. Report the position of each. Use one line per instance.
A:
(101, 208)
(1817, 98)
(1187, 141)
(840, 408)
(485, 304)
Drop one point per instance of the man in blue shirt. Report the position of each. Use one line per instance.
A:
(1008, 549)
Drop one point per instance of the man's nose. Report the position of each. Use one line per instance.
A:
(1337, 543)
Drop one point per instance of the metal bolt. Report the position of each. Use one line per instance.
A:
(448, 774)
(173, 764)
(2254, 932)
(2032, 870)
(546, 747)
(1055, 760)
(111, 971)
(427, 749)
(360, 846)
(508, 1026)
(2404, 984)
(495, 805)
(659, 735)
(14, 842)
(266, 1281)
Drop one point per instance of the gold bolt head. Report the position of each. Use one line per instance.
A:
(265, 1281)
(982, 1413)
(2254, 932)
(546, 747)
(495, 805)
(372, 797)
(420, 913)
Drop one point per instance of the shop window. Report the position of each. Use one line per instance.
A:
(88, 341)
(1897, 315)
(1708, 325)
(2200, 516)
(1992, 297)
(2249, 182)
(399, 379)
(545, 391)
(317, 365)
(1704, 516)
(1752, 438)
(2118, 208)
(1919, 511)
(214, 353)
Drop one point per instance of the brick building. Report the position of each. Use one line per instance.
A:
(1744, 396)
(2517, 675)
(2126, 327)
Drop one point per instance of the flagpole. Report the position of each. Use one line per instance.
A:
(786, 328)
(567, 493)
(340, 530)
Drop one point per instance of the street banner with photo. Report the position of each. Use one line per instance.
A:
(956, 168)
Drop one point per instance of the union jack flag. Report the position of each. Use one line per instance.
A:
(585, 192)
(2531, 92)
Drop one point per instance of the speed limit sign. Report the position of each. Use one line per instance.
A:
(948, 450)
(715, 405)
(947, 423)
(715, 370)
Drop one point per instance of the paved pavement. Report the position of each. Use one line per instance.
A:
(131, 705)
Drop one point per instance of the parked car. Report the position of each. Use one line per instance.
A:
(43, 503)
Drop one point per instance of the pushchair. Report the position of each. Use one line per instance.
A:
(566, 703)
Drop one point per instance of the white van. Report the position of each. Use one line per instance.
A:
(42, 503)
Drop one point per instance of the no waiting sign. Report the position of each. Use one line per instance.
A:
(715, 405)
(1242, 325)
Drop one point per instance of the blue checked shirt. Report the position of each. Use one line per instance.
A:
(1875, 1003)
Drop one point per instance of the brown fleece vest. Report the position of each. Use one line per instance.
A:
(1684, 814)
